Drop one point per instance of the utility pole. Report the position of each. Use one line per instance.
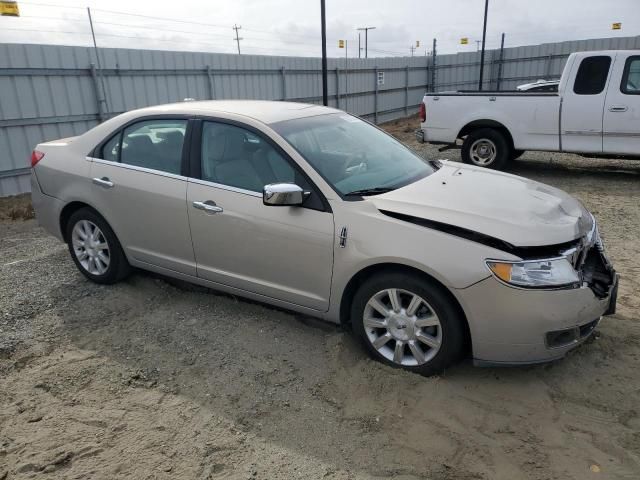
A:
(238, 38)
(433, 66)
(412, 49)
(359, 47)
(95, 47)
(500, 64)
(478, 42)
(366, 39)
(325, 99)
(484, 37)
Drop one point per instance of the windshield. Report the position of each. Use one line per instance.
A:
(352, 155)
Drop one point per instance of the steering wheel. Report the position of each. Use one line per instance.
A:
(356, 163)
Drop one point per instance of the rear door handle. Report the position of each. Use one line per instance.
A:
(208, 206)
(617, 108)
(103, 182)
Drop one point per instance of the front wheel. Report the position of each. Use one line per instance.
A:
(487, 148)
(408, 322)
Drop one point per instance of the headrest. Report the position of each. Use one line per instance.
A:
(141, 142)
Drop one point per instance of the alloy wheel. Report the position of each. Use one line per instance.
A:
(90, 247)
(402, 327)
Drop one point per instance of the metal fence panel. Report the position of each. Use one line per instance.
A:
(49, 92)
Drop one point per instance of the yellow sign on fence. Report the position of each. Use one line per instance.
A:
(616, 26)
(464, 41)
(9, 8)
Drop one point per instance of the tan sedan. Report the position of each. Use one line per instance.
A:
(315, 210)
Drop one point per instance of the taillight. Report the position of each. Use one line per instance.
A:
(36, 156)
(423, 112)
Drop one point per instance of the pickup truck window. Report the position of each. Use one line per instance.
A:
(631, 76)
(592, 75)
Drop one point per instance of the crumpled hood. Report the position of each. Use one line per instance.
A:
(516, 210)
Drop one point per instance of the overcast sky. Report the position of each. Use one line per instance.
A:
(292, 27)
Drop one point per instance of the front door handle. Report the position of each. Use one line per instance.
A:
(618, 108)
(208, 206)
(103, 182)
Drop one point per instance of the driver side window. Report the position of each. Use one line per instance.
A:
(236, 157)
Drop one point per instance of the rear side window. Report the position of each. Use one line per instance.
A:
(111, 149)
(592, 75)
(154, 144)
(631, 76)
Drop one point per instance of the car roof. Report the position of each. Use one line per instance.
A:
(262, 110)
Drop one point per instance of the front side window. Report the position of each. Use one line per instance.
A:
(592, 75)
(236, 157)
(631, 76)
(154, 144)
(352, 155)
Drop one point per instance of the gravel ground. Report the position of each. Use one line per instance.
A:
(153, 378)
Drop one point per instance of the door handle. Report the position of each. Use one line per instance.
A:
(617, 108)
(103, 182)
(209, 206)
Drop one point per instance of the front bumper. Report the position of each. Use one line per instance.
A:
(511, 326)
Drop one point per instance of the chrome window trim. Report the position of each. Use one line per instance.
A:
(225, 187)
(126, 166)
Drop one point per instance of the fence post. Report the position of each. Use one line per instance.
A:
(337, 88)
(346, 86)
(499, 81)
(99, 97)
(284, 84)
(375, 97)
(212, 87)
(548, 67)
(433, 67)
(406, 92)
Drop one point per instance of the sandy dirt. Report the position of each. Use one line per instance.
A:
(156, 379)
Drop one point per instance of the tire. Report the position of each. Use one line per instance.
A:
(486, 147)
(515, 154)
(438, 346)
(99, 255)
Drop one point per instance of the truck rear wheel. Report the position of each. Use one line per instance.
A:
(486, 147)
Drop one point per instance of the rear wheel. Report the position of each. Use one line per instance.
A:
(486, 147)
(408, 322)
(94, 248)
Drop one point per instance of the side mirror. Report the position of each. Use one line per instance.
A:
(283, 194)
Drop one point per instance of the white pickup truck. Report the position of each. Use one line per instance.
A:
(596, 112)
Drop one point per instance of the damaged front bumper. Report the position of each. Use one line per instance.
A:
(511, 326)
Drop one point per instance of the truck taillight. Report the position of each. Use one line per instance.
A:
(423, 112)
(36, 156)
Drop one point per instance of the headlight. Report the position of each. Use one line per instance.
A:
(556, 272)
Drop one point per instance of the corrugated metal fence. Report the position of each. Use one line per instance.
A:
(49, 92)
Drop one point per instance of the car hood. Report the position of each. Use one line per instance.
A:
(513, 209)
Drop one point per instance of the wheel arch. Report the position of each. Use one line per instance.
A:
(486, 123)
(72, 207)
(377, 269)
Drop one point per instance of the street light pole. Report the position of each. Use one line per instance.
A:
(484, 36)
(366, 39)
(325, 99)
